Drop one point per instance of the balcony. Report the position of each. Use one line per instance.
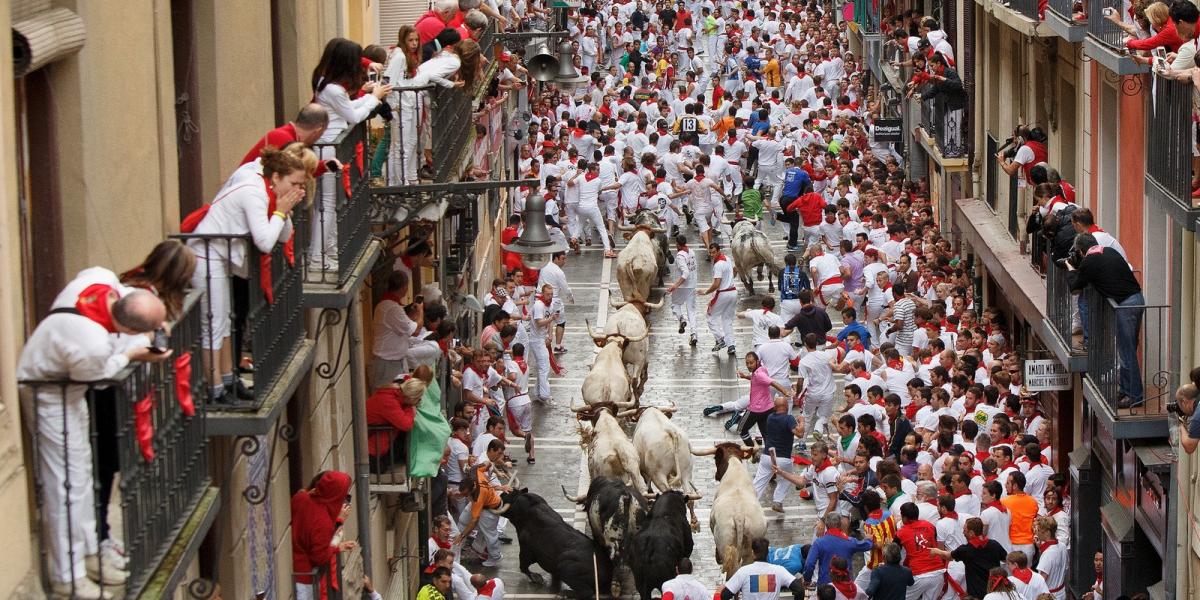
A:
(1169, 156)
(1058, 329)
(1104, 39)
(164, 505)
(1021, 15)
(894, 63)
(1061, 19)
(1150, 326)
(341, 250)
(267, 326)
(389, 470)
(943, 132)
(873, 49)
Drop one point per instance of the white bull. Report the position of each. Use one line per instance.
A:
(610, 453)
(629, 322)
(736, 518)
(637, 263)
(752, 250)
(608, 381)
(665, 453)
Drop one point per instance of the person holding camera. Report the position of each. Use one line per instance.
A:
(1030, 149)
(1184, 410)
(1105, 270)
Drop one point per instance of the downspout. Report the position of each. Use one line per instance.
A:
(362, 476)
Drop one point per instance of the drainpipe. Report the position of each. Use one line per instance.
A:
(362, 476)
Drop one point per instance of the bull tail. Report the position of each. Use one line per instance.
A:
(683, 461)
(732, 554)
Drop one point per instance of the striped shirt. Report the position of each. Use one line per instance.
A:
(902, 311)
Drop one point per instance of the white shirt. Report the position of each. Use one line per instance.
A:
(686, 587)
(760, 581)
(1035, 483)
(823, 482)
(685, 268)
(393, 331)
(826, 267)
(763, 320)
(996, 523)
(866, 408)
(538, 312)
(723, 271)
(776, 355)
(458, 452)
(241, 208)
(1053, 567)
(1035, 587)
(553, 275)
(344, 112)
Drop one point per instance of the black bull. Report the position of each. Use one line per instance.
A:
(561, 550)
(665, 537)
(614, 513)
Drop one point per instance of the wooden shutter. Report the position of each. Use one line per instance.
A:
(393, 14)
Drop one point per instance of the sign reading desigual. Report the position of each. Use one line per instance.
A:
(1046, 376)
(888, 130)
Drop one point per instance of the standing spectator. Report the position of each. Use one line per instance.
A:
(1052, 557)
(339, 75)
(919, 538)
(553, 275)
(307, 128)
(75, 342)
(436, 19)
(890, 581)
(484, 501)
(833, 544)
(978, 556)
(318, 512)
(393, 330)
(1023, 510)
(1107, 272)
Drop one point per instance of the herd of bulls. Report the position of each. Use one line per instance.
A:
(641, 493)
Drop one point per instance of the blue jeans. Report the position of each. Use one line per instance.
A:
(1129, 324)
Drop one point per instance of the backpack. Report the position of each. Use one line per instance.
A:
(791, 281)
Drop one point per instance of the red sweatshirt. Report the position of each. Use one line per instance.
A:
(314, 521)
(811, 207)
(386, 407)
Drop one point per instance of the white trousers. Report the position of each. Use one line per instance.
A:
(589, 218)
(489, 532)
(772, 176)
(65, 459)
(683, 306)
(323, 248)
(927, 586)
(573, 227)
(720, 317)
(212, 276)
(763, 476)
(817, 412)
(735, 405)
(788, 309)
(541, 358)
(403, 155)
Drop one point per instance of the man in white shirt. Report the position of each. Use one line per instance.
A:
(589, 183)
(393, 331)
(541, 319)
(553, 275)
(1029, 583)
(776, 355)
(685, 586)
(683, 289)
(996, 519)
(762, 318)
(761, 580)
(723, 304)
(816, 383)
(1052, 561)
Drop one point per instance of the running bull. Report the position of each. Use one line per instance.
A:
(736, 518)
(752, 250)
(614, 513)
(564, 552)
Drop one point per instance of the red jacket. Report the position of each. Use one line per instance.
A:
(315, 515)
(429, 26)
(386, 407)
(811, 207)
(1167, 38)
(278, 137)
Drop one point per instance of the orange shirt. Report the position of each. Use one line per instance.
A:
(488, 498)
(1024, 510)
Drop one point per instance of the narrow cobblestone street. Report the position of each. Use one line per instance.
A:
(690, 377)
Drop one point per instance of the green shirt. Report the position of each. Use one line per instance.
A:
(752, 207)
(429, 593)
(835, 146)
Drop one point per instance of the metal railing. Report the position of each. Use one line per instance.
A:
(873, 47)
(1065, 9)
(945, 126)
(148, 423)
(258, 305)
(452, 112)
(409, 136)
(1061, 305)
(325, 583)
(1169, 157)
(341, 225)
(1128, 351)
(1102, 29)
(1026, 8)
(388, 460)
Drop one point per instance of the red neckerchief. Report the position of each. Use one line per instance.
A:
(446, 545)
(488, 588)
(394, 297)
(93, 304)
(896, 364)
(1023, 574)
(966, 492)
(590, 176)
(825, 464)
(996, 505)
(847, 588)
(834, 531)
(978, 541)
(1094, 229)
(661, 132)
(520, 360)
(1046, 544)
(950, 515)
(719, 257)
(1007, 465)
(990, 477)
(543, 300)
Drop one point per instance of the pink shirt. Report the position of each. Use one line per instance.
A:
(760, 391)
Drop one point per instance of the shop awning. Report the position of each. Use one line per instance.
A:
(1000, 255)
(42, 35)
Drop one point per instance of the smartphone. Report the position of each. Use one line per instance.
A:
(161, 342)
(1109, 11)
(332, 166)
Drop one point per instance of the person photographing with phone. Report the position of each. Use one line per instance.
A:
(318, 513)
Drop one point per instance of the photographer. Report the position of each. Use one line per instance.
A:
(1105, 269)
(1189, 419)
(1030, 150)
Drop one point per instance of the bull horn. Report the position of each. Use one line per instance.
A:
(615, 304)
(578, 409)
(653, 306)
(503, 508)
(638, 339)
(627, 413)
(595, 338)
(705, 452)
(667, 410)
(625, 227)
(694, 497)
(575, 499)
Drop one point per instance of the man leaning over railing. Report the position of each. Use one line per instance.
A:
(1184, 410)
(1106, 271)
(81, 341)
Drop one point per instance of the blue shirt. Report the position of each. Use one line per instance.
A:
(754, 64)
(857, 328)
(779, 435)
(792, 280)
(788, 557)
(795, 180)
(825, 548)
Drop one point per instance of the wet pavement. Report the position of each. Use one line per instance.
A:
(690, 377)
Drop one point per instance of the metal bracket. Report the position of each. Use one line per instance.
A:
(409, 200)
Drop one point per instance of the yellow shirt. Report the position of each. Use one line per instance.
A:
(771, 74)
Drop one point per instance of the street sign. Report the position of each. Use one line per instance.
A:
(888, 130)
(1046, 376)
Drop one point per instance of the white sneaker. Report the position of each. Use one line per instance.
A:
(112, 552)
(112, 575)
(80, 589)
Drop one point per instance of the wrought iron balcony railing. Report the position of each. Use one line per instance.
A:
(339, 213)
(388, 464)
(1129, 350)
(1026, 8)
(1169, 156)
(947, 127)
(1066, 10)
(1062, 309)
(1102, 29)
(148, 422)
(258, 306)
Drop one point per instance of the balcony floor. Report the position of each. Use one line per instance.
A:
(259, 422)
(329, 295)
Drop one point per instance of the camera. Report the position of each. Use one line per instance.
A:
(1109, 11)
(1173, 409)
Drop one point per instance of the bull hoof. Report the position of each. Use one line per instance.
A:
(615, 589)
(537, 579)
(760, 276)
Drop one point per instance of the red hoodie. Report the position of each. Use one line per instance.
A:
(314, 521)
(386, 407)
(811, 207)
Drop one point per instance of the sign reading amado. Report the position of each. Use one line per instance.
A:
(1046, 376)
